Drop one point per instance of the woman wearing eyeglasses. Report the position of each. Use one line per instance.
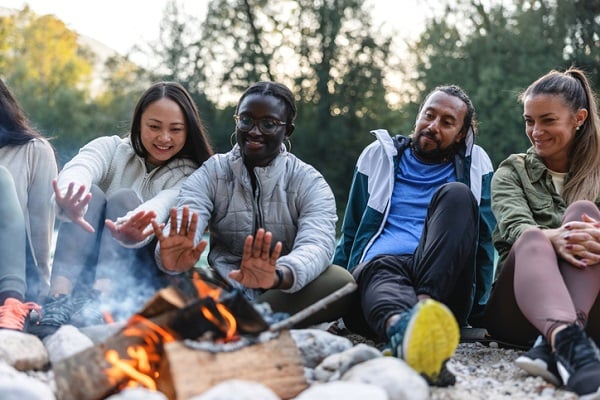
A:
(271, 217)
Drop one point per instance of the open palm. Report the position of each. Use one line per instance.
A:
(257, 269)
(177, 250)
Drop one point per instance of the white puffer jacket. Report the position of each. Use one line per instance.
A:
(293, 201)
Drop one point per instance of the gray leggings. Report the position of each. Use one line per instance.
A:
(84, 257)
(13, 239)
(535, 289)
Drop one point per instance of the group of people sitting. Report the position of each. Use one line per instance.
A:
(424, 214)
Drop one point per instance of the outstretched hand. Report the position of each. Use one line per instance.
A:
(257, 269)
(73, 204)
(135, 229)
(177, 250)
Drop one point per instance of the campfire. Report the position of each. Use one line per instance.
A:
(188, 338)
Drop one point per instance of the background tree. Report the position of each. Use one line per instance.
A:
(327, 52)
(51, 74)
(495, 51)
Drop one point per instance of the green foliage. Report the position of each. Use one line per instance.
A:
(329, 54)
(496, 52)
(51, 74)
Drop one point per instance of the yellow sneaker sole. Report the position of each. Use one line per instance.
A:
(431, 338)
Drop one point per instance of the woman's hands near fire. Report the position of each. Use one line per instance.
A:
(134, 229)
(73, 204)
(177, 250)
(257, 269)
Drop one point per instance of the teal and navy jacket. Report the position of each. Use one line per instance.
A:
(371, 192)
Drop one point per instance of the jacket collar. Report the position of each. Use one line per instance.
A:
(536, 169)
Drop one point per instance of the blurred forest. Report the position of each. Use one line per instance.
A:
(330, 54)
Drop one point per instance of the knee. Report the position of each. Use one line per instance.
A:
(458, 194)
(531, 236)
(580, 207)
(120, 202)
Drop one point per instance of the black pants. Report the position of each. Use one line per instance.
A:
(442, 266)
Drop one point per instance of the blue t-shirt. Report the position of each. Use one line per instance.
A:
(414, 186)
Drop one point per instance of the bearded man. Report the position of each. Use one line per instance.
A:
(416, 235)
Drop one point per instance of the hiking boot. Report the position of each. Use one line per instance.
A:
(425, 338)
(14, 313)
(56, 312)
(540, 361)
(578, 362)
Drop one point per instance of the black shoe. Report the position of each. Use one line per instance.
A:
(540, 361)
(578, 361)
(56, 312)
(89, 312)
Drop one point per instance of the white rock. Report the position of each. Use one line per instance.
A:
(238, 390)
(138, 394)
(343, 390)
(315, 345)
(336, 365)
(65, 342)
(22, 350)
(16, 385)
(391, 374)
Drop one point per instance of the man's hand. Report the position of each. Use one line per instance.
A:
(73, 204)
(257, 269)
(177, 251)
(134, 230)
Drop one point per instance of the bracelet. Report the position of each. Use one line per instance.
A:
(279, 274)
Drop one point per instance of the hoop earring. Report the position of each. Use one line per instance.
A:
(289, 145)
(231, 139)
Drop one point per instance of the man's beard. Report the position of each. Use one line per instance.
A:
(433, 156)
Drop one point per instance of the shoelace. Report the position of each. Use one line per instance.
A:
(57, 313)
(14, 312)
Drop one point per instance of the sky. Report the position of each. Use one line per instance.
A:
(120, 24)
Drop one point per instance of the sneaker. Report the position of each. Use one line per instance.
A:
(56, 312)
(14, 313)
(426, 337)
(540, 361)
(578, 362)
(89, 313)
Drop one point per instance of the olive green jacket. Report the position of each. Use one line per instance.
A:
(523, 196)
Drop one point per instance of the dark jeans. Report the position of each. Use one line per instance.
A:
(535, 289)
(84, 257)
(442, 266)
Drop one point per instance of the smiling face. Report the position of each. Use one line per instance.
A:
(259, 148)
(163, 130)
(438, 127)
(551, 126)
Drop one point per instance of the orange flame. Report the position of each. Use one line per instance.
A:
(137, 369)
(141, 366)
(229, 325)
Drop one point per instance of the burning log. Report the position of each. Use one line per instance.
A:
(133, 354)
(276, 363)
(148, 351)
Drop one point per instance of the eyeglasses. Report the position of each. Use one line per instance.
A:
(266, 125)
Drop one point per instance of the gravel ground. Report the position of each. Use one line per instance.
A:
(489, 373)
